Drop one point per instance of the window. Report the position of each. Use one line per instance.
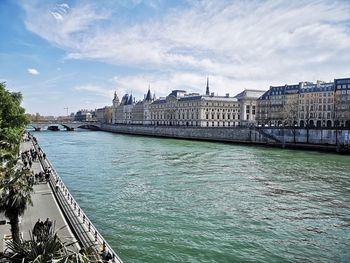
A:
(247, 109)
(253, 110)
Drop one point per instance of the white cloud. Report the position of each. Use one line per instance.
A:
(95, 89)
(33, 71)
(162, 84)
(251, 44)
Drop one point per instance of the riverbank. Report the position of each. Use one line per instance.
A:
(44, 206)
(78, 222)
(328, 140)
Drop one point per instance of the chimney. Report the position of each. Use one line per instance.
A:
(227, 95)
(212, 94)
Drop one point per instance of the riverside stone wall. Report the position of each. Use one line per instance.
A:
(323, 138)
(311, 136)
(236, 134)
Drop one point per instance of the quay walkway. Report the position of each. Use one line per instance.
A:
(44, 206)
(53, 200)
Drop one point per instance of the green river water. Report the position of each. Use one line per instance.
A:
(167, 200)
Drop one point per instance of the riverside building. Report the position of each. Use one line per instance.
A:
(180, 108)
(306, 104)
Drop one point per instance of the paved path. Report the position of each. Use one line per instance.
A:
(44, 206)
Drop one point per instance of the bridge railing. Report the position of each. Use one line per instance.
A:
(85, 230)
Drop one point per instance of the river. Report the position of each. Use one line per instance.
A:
(167, 200)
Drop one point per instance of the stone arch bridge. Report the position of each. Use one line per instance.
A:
(69, 126)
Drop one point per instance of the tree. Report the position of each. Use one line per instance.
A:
(15, 187)
(108, 115)
(15, 194)
(290, 114)
(13, 120)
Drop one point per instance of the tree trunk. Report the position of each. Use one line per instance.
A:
(294, 132)
(14, 222)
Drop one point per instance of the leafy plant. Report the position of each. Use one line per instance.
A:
(49, 248)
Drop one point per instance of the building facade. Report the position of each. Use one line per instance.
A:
(306, 105)
(180, 108)
(84, 115)
(248, 103)
(104, 115)
(342, 102)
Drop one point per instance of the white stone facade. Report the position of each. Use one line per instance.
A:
(182, 109)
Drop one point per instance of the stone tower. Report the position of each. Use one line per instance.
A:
(115, 105)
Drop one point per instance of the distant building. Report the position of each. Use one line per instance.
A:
(104, 115)
(306, 104)
(248, 100)
(122, 112)
(141, 111)
(83, 115)
(180, 108)
(342, 102)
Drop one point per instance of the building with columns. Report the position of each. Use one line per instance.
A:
(180, 108)
(247, 100)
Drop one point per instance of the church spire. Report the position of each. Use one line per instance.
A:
(149, 96)
(207, 92)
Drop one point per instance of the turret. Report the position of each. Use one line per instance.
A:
(115, 100)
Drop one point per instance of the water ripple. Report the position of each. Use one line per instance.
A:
(164, 200)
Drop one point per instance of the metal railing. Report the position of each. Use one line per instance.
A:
(86, 232)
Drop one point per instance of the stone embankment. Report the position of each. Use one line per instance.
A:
(313, 139)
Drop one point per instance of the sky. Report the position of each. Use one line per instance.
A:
(76, 54)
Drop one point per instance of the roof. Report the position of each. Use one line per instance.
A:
(148, 96)
(159, 101)
(125, 99)
(187, 98)
(303, 87)
(177, 92)
(249, 93)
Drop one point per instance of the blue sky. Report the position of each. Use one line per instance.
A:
(77, 53)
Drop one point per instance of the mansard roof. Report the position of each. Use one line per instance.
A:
(317, 88)
(177, 92)
(343, 83)
(249, 93)
(187, 98)
(303, 87)
(159, 101)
